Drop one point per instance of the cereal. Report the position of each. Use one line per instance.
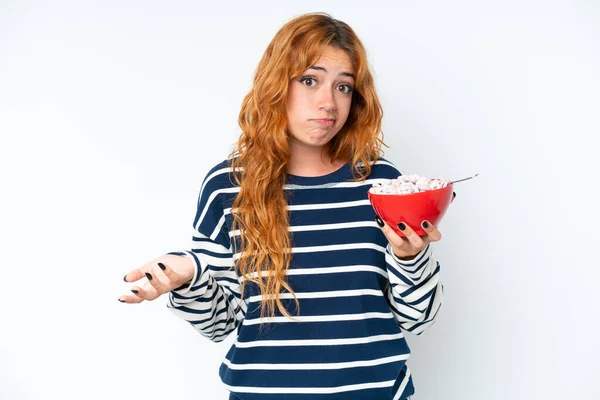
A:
(406, 184)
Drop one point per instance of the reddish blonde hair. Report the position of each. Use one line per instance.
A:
(262, 151)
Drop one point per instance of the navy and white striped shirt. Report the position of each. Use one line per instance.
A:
(357, 299)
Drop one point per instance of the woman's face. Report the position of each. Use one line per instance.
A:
(319, 100)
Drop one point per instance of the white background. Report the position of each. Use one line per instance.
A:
(112, 112)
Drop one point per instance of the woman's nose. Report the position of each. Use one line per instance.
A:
(326, 101)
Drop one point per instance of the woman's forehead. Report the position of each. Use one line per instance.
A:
(333, 58)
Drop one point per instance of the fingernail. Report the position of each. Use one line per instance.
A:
(425, 224)
(122, 301)
(125, 278)
(379, 222)
(162, 266)
(134, 291)
(148, 276)
(453, 195)
(401, 226)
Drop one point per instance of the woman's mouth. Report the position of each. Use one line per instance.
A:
(325, 122)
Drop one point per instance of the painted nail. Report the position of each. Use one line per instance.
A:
(125, 278)
(148, 276)
(425, 224)
(162, 266)
(122, 301)
(401, 226)
(379, 222)
(134, 291)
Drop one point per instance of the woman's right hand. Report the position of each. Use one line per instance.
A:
(164, 274)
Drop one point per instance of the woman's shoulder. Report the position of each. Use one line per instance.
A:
(222, 166)
(220, 175)
(383, 167)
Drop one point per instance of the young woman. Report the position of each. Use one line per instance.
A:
(287, 248)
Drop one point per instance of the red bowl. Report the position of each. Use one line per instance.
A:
(412, 208)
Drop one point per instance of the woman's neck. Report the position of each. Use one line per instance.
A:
(316, 164)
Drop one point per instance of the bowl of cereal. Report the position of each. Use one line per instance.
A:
(411, 199)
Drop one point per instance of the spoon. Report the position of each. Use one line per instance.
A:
(464, 179)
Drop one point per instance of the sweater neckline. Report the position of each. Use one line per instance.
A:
(336, 176)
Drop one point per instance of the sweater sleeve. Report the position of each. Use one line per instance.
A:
(211, 302)
(415, 292)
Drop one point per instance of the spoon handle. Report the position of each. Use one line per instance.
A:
(464, 179)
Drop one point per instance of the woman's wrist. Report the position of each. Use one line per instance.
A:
(408, 258)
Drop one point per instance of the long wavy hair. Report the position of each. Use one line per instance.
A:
(260, 158)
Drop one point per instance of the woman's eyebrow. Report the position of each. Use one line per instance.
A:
(317, 68)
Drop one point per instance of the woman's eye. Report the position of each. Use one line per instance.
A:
(347, 89)
(303, 80)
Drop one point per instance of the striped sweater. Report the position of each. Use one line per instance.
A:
(357, 299)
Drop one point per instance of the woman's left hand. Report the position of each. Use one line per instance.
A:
(406, 248)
